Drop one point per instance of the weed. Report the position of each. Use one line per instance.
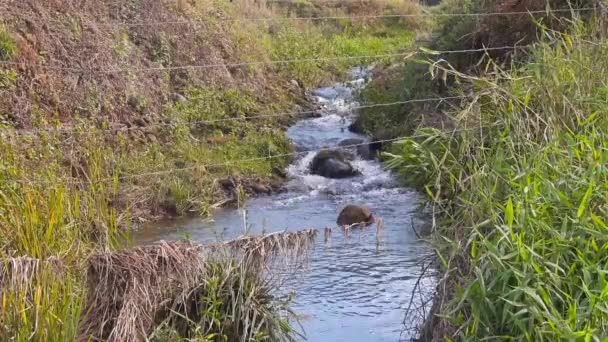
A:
(44, 305)
(122, 45)
(161, 49)
(8, 48)
(8, 79)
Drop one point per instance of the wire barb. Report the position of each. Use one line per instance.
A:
(282, 155)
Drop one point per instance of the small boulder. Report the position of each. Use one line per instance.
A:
(357, 126)
(366, 152)
(227, 183)
(295, 84)
(332, 164)
(354, 214)
(379, 139)
(139, 122)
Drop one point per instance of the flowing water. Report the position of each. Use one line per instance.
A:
(357, 287)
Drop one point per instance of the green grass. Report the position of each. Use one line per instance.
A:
(520, 205)
(233, 300)
(46, 309)
(407, 81)
(65, 196)
(46, 213)
(8, 48)
(316, 43)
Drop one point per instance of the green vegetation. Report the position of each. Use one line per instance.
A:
(8, 79)
(518, 193)
(86, 157)
(231, 300)
(8, 48)
(408, 81)
(322, 47)
(44, 302)
(122, 46)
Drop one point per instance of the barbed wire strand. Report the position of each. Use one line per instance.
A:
(246, 160)
(239, 118)
(285, 61)
(345, 17)
(282, 155)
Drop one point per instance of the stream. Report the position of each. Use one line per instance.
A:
(354, 288)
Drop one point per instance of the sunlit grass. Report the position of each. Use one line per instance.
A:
(326, 52)
(520, 204)
(77, 186)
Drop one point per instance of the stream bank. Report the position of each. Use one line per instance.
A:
(356, 285)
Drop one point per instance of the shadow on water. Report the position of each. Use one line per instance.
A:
(356, 287)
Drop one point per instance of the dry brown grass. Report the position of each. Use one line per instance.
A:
(21, 272)
(127, 290)
(89, 37)
(131, 292)
(285, 243)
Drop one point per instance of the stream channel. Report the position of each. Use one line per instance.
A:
(354, 288)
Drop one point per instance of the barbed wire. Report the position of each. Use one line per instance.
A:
(271, 62)
(239, 118)
(280, 155)
(344, 17)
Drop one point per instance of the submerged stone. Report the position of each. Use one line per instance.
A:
(353, 214)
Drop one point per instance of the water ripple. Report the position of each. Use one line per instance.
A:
(355, 288)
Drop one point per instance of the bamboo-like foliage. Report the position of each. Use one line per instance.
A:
(520, 201)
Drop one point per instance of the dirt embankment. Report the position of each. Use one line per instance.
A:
(166, 89)
(122, 61)
(138, 86)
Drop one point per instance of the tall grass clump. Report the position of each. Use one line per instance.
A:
(520, 199)
(47, 228)
(40, 300)
(181, 290)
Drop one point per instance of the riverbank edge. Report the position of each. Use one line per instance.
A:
(461, 246)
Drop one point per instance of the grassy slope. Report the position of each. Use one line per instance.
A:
(520, 204)
(413, 79)
(66, 193)
(149, 130)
